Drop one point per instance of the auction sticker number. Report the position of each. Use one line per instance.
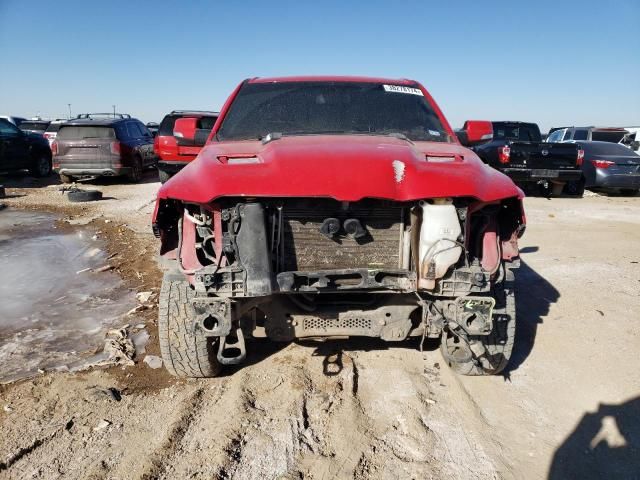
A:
(402, 89)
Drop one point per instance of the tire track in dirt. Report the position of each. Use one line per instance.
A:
(163, 456)
(26, 451)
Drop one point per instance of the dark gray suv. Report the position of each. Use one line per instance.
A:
(95, 145)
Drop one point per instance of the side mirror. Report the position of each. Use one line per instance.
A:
(185, 128)
(475, 131)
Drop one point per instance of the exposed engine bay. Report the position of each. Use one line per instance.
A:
(314, 267)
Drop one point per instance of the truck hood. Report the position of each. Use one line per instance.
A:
(342, 167)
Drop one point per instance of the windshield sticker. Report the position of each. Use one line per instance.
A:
(401, 89)
(434, 133)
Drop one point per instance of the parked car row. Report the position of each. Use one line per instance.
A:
(569, 160)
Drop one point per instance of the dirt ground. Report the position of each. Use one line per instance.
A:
(567, 407)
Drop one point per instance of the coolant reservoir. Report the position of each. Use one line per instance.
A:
(438, 249)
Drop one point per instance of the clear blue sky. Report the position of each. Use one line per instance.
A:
(572, 62)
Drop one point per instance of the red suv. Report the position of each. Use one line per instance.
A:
(175, 152)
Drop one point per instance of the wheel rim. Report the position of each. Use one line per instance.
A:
(43, 166)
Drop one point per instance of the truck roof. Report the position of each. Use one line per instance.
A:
(333, 78)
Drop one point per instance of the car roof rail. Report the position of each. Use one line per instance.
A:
(102, 115)
(195, 111)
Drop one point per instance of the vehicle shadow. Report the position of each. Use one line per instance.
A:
(23, 180)
(534, 297)
(605, 444)
(148, 176)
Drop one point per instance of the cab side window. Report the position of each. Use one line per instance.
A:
(581, 134)
(567, 135)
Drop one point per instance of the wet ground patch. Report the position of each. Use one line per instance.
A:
(56, 303)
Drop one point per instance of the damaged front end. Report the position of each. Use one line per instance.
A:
(287, 268)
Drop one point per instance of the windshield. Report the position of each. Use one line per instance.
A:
(304, 108)
(523, 132)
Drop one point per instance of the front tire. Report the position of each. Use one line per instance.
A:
(185, 352)
(489, 354)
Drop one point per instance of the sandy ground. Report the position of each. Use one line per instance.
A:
(568, 406)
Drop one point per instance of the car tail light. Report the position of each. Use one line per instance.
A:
(602, 163)
(504, 154)
(115, 148)
(156, 145)
(580, 158)
(54, 148)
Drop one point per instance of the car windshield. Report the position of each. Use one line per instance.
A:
(523, 132)
(78, 132)
(307, 108)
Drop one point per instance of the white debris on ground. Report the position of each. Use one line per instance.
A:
(153, 361)
(119, 347)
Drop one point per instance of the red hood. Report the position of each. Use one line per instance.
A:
(343, 167)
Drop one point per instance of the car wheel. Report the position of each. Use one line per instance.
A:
(67, 178)
(185, 352)
(575, 189)
(84, 195)
(42, 166)
(629, 192)
(486, 354)
(135, 175)
(164, 176)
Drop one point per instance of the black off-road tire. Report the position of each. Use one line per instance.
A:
(67, 178)
(164, 176)
(84, 195)
(42, 166)
(498, 345)
(185, 353)
(135, 174)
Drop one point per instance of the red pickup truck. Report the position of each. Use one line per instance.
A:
(174, 152)
(333, 207)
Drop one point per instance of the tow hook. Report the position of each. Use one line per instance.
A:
(226, 350)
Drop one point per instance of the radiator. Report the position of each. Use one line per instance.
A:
(306, 249)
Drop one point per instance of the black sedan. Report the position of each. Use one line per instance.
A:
(608, 167)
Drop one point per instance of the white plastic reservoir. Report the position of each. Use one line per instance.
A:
(438, 249)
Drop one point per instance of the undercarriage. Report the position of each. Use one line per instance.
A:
(314, 268)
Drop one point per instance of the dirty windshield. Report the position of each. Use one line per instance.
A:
(307, 108)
